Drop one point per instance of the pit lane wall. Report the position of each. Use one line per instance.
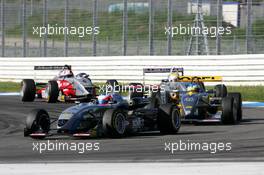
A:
(235, 69)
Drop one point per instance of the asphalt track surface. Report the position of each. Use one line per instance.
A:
(247, 140)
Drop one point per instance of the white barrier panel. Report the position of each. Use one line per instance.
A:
(235, 69)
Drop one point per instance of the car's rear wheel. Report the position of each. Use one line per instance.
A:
(220, 90)
(28, 90)
(169, 121)
(114, 123)
(237, 104)
(112, 82)
(52, 92)
(112, 85)
(38, 121)
(228, 112)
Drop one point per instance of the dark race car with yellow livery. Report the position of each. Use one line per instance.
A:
(195, 102)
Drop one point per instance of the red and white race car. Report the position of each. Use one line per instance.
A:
(64, 87)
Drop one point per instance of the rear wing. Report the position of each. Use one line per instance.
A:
(48, 67)
(200, 78)
(39, 68)
(162, 70)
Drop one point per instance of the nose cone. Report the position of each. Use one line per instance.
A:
(188, 102)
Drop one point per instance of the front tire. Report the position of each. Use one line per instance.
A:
(228, 114)
(28, 90)
(53, 92)
(114, 121)
(169, 121)
(38, 120)
(237, 104)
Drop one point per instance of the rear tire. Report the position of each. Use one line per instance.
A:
(112, 82)
(169, 121)
(220, 90)
(112, 85)
(38, 120)
(237, 104)
(53, 92)
(28, 90)
(114, 121)
(228, 113)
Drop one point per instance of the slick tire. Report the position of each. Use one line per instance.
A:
(53, 92)
(28, 90)
(169, 121)
(38, 120)
(114, 123)
(220, 90)
(112, 82)
(237, 104)
(228, 114)
(112, 85)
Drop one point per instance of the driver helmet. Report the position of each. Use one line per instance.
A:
(173, 77)
(66, 71)
(193, 88)
(66, 67)
(104, 99)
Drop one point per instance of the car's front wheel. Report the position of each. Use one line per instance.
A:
(229, 115)
(237, 104)
(114, 122)
(38, 122)
(52, 92)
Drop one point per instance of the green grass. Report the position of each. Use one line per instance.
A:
(249, 93)
(9, 87)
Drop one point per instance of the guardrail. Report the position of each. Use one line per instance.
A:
(235, 69)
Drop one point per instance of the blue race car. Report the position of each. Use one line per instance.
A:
(110, 116)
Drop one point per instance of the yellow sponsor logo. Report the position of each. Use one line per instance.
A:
(200, 78)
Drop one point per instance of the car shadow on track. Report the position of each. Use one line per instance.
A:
(252, 121)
